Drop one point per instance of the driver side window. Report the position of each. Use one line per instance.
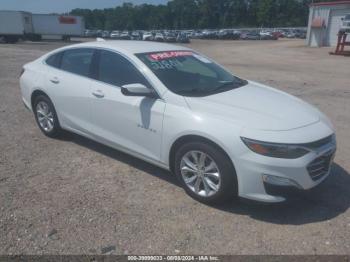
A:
(116, 70)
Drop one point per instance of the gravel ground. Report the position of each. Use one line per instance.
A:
(74, 196)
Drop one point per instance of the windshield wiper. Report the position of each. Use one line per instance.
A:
(192, 90)
(202, 92)
(223, 84)
(234, 83)
(197, 92)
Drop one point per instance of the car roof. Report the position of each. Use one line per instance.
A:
(132, 47)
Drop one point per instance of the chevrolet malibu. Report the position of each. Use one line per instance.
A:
(221, 135)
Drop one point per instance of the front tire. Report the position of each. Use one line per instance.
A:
(206, 173)
(46, 117)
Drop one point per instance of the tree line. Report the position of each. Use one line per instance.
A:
(199, 14)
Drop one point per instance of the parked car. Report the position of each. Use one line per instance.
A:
(224, 34)
(88, 33)
(125, 36)
(170, 37)
(250, 36)
(221, 135)
(91, 33)
(210, 34)
(106, 34)
(290, 34)
(236, 34)
(115, 34)
(280, 33)
(182, 38)
(99, 33)
(277, 34)
(148, 36)
(267, 35)
(300, 33)
(228, 34)
(159, 37)
(136, 36)
(196, 35)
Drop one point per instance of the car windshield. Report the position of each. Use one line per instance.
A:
(189, 74)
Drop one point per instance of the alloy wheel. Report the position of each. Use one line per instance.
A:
(45, 116)
(200, 173)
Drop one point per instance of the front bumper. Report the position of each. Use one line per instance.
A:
(270, 179)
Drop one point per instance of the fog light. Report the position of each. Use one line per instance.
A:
(279, 181)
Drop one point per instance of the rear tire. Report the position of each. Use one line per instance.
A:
(46, 117)
(206, 173)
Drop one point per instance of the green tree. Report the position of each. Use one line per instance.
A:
(192, 14)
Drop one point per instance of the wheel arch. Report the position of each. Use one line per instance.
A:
(193, 138)
(36, 93)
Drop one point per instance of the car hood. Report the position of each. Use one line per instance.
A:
(256, 106)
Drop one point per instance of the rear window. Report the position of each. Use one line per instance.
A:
(54, 60)
(77, 61)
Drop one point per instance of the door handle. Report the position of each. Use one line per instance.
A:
(55, 80)
(98, 94)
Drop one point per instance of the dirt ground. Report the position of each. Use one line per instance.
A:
(74, 196)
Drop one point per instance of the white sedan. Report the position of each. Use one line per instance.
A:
(171, 106)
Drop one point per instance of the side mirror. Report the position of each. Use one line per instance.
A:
(138, 90)
(342, 18)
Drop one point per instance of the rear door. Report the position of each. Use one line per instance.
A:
(70, 87)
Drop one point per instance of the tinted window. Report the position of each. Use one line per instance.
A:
(77, 61)
(54, 60)
(190, 74)
(117, 70)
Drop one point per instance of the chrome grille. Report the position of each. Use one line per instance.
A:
(320, 166)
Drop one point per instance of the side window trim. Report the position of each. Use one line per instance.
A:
(93, 70)
(60, 55)
(93, 74)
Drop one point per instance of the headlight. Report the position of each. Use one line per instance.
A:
(288, 151)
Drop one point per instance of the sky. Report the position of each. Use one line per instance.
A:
(62, 6)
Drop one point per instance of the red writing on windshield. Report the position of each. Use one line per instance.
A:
(167, 55)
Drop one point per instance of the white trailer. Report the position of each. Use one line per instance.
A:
(58, 26)
(15, 25)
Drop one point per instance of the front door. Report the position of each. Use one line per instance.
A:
(133, 123)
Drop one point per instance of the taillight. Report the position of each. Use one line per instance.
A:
(22, 71)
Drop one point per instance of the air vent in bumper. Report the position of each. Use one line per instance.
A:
(320, 166)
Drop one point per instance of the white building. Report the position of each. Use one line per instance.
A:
(324, 22)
